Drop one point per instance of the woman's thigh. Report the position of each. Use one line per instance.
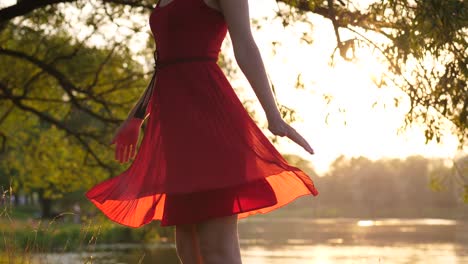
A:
(218, 237)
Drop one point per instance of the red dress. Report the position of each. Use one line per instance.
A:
(202, 156)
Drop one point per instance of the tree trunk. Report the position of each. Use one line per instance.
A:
(46, 205)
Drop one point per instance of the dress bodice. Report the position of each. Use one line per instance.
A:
(187, 28)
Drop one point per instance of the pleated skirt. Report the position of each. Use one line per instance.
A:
(201, 157)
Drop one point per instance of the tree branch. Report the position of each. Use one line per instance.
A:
(24, 7)
(343, 16)
(62, 126)
(67, 86)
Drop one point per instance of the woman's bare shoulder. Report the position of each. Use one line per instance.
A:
(236, 14)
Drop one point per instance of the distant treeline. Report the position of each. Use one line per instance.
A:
(353, 187)
(360, 187)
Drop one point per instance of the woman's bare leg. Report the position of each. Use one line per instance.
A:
(187, 245)
(219, 240)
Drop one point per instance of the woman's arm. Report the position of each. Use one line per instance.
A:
(236, 14)
(140, 108)
(138, 105)
(126, 136)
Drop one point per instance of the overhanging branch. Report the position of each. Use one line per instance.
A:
(60, 125)
(24, 7)
(67, 85)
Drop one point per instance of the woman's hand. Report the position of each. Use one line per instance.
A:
(126, 139)
(279, 127)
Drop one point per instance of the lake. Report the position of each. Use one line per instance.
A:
(300, 241)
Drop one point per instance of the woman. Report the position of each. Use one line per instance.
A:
(203, 163)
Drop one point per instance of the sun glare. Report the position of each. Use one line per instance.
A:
(341, 110)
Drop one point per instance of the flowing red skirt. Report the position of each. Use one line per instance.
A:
(202, 156)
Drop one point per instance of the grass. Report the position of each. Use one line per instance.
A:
(23, 236)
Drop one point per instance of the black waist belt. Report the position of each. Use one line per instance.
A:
(158, 64)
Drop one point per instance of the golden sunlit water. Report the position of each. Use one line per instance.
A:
(321, 241)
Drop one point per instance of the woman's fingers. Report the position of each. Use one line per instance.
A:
(117, 151)
(123, 152)
(129, 152)
(283, 129)
(296, 137)
(126, 153)
(126, 139)
(132, 151)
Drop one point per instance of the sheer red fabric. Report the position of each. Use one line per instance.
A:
(202, 156)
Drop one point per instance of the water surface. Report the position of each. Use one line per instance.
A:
(324, 241)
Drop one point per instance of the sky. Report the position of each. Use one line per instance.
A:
(369, 131)
(359, 128)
